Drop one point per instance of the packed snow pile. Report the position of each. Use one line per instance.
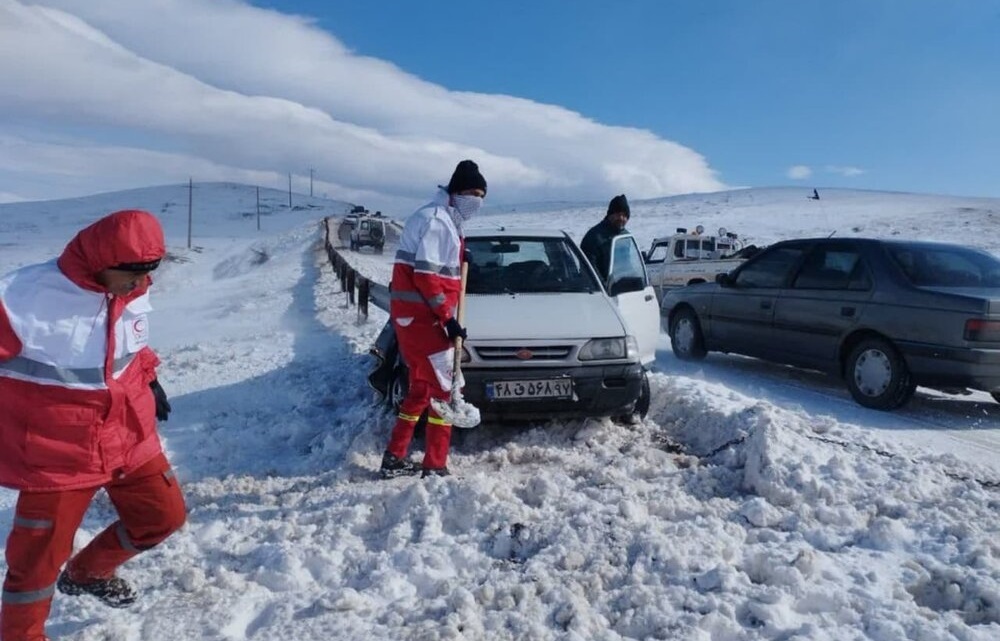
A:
(753, 502)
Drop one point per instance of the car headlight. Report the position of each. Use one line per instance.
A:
(465, 355)
(631, 347)
(607, 348)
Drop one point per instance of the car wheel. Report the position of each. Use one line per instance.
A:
(686, 338)
(398, 387)
(877, 376)
(642, 405)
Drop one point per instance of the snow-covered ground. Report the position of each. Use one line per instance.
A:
(754, 502)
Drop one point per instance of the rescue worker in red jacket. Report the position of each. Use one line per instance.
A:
(79, 401)
(426, 279)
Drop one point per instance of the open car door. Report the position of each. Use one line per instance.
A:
(629, 287)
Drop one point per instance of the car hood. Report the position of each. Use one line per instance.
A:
(541, 316)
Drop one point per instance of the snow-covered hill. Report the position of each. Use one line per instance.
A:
(755, 502)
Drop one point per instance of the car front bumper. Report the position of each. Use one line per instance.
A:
(604, 390)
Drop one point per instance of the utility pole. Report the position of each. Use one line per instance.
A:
(190, 207)
(311, 171)
(258, 208)
(289, 190)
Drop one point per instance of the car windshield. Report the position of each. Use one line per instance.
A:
(946, 266)
(526, 265)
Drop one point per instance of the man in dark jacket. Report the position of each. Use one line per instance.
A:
(596, 243)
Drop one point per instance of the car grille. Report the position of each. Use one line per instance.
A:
(510, 352)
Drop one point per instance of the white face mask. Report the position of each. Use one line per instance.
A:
(466, 206)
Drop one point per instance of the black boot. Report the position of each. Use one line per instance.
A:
(392, 466)
(441, 471)
(114, 592)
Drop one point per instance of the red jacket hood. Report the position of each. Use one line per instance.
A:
(128, 236)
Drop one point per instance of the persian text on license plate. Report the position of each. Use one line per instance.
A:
(546, 388)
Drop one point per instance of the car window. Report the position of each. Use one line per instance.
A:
(831, 268)
(940, 266)
(770, 269)
(658, 253)
(695, 248)
(526, 265)
(627, 271)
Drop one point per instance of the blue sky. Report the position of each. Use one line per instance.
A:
(556, 100)
(906, 91)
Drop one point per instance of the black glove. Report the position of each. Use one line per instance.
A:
(454, 330)
(162, 404)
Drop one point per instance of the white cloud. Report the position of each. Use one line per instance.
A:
(254, 90)
(799, 172)
(845, 171)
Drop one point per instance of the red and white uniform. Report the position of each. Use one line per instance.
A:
(78, 415)
(75, 369)
(426, 279)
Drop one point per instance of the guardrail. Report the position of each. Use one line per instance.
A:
(360, 289)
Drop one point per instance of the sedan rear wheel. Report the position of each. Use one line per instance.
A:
(686, 338)
(877, 376)
(398, 387)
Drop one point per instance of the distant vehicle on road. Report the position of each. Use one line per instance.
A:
(885, 315)
(368, 231)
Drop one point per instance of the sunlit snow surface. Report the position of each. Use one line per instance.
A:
(754, 502)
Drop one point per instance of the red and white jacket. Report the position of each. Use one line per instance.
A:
(75, 367)
(427, 273)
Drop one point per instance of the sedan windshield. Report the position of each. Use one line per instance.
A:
(946, 266)
(525, 265)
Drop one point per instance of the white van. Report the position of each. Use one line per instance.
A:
(368, 231)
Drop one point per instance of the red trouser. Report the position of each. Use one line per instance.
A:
(150, 508)
(419, 342)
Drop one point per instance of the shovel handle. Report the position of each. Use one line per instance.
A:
(460, 316)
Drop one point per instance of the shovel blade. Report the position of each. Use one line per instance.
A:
(458, 412)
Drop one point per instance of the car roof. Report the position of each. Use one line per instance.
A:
(892, 242)
(519, 232)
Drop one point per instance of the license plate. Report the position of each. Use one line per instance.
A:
(545, 388)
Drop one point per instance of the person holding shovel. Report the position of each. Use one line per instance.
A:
(426, 283)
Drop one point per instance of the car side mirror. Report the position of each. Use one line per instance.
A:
(725, 279)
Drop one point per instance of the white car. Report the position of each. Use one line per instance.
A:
(546, 338)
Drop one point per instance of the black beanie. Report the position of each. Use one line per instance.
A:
(466, 176)
(619, 203)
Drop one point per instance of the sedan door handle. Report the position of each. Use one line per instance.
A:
(847, 311)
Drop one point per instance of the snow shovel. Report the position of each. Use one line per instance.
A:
(458, 411)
